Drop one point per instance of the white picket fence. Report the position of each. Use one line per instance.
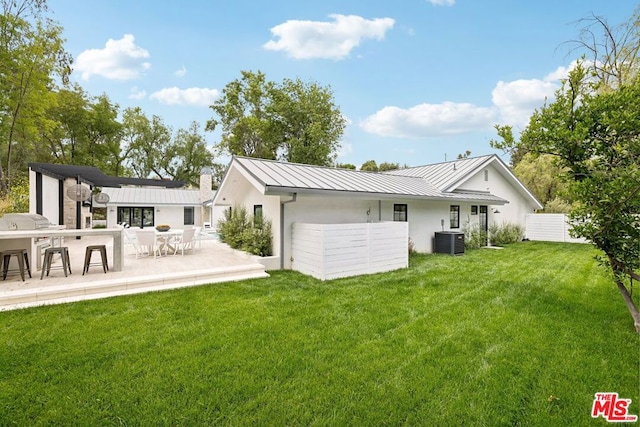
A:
(550, 228)
(330, 251)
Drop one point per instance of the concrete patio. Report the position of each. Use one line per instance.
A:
(211, 262)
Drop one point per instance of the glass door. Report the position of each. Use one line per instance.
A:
(484, 223)
(136, 217)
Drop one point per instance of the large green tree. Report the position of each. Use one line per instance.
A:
(146, 141)
(543, 176)
(187, 155)
(69, 114)
(592, 130)
(32, 60)
(293, 120)
(150, 151)
(595, 139)
(102, 149)
(308, 121)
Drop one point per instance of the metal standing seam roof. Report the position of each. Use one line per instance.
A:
(444, 175)
(136, 196)
(280, 176)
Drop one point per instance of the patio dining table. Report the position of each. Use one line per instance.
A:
(165, 238)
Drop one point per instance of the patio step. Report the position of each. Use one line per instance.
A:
(95, 289)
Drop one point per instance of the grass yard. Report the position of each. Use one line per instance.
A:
(483, 339)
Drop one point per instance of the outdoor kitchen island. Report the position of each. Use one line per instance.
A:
(9, 239)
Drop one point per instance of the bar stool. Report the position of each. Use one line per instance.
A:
(87, 257)
(48, 259)
(21, 256)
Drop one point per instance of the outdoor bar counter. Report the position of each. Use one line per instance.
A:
(9, 238)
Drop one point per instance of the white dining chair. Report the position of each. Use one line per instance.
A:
(185, 241)
(147, 243)
(130, 239)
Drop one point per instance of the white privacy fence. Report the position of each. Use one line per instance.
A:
(550, 228)
(330, 251)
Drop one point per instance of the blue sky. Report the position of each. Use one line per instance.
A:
(418, 80)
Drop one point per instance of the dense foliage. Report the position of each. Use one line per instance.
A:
(496, 235)
(592, 131)
(595, 138)
(246, 232)
(292, 120)
(45, 118)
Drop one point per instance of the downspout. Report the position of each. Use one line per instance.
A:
(294, 198)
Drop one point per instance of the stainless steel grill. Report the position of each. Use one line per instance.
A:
(23, 221)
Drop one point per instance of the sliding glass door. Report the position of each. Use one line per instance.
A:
(136, 217)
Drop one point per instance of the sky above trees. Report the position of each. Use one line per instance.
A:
(417, 80)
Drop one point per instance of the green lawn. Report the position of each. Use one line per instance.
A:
(481, 339)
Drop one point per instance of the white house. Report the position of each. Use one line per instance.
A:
(439, 197)
(150, 206)
(68, 194)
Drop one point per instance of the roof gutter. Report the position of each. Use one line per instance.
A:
(450, 197)
(282, 203)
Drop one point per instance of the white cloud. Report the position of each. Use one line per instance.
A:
(513, 103)
(181, 72)
(346, 148)
(136, 93)
(442, 2)
(118, 60)
(429, 120)
(327, 40)
(191, 96)
(517, 100)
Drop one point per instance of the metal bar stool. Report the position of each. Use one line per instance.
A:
(21, 256)
(87, 257)
(48, 259)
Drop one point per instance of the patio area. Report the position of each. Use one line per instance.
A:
(211, 262)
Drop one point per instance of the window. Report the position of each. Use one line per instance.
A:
(474, 210)
(454, 216)
(189, 215)
(486, 175)
(257, 214)
(400, 213)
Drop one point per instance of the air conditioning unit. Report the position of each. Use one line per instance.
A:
(449, 242)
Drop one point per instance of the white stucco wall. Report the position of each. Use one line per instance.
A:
(424, 217)
(518, 207)
(50, 197)
(164, 214)
(243, 192)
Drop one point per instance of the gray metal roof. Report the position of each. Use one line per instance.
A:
(139, 196)
(293, 177)
(445, 175)
(448, 176)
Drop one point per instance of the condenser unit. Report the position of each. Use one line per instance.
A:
(449, 242)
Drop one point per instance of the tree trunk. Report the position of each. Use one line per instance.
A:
(633, 310)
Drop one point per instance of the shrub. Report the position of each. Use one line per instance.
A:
(242, 231)
(474, 237)
(498, 235)
(506, 233)
(258, 240)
